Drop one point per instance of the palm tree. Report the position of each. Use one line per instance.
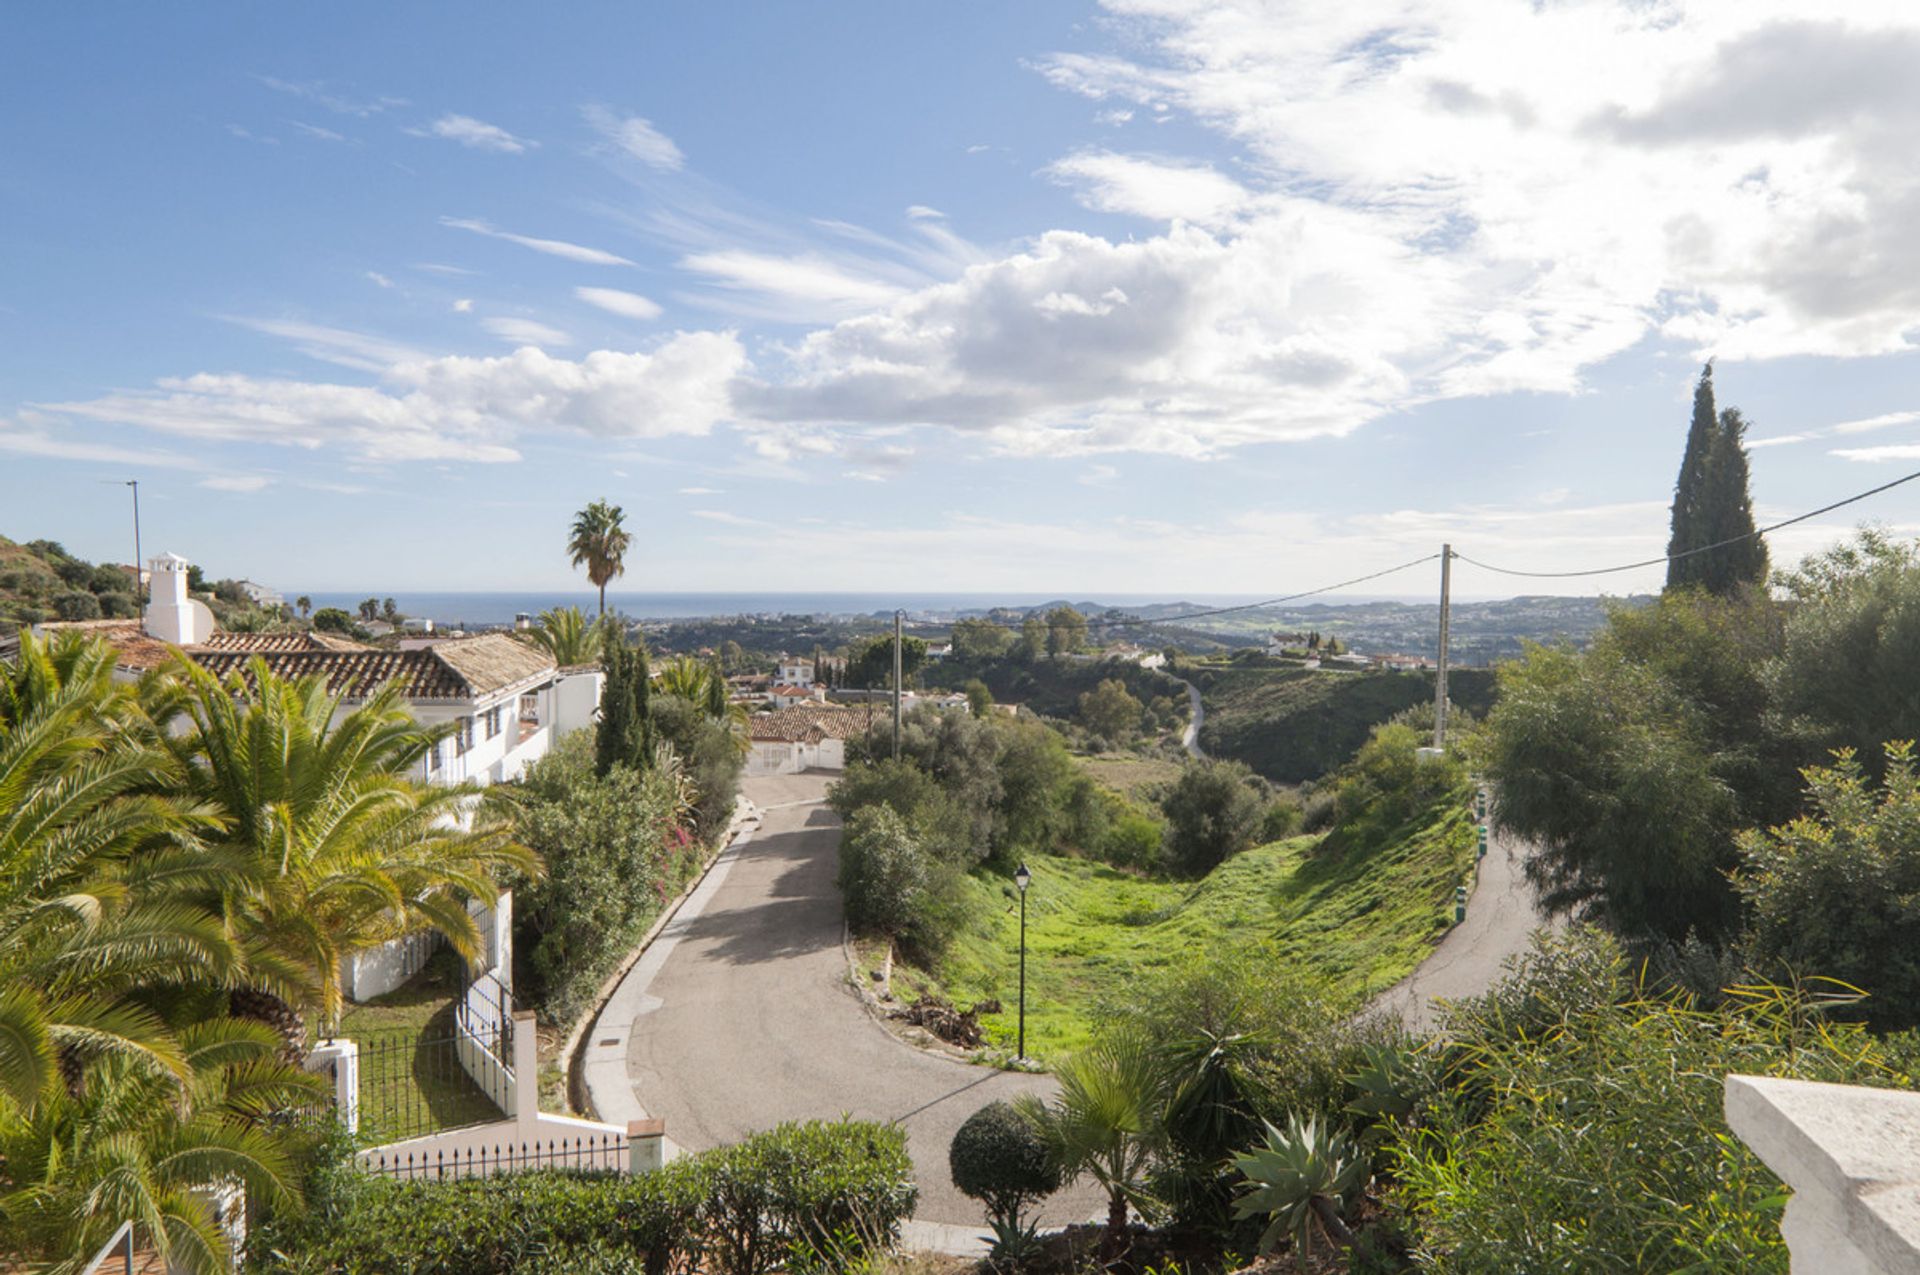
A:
(704, 685)
(305, 604)
(96, 875)
(566, 634)
(133, 1142)
(1105, 1123)
(599, 543)
(337, 848)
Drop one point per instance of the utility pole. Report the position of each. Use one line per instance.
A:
(1440, 678)
(897, 618)
(139, 589)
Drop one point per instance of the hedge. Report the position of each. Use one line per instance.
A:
(802, 1194)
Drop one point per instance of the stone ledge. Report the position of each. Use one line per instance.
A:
(1851, 1155)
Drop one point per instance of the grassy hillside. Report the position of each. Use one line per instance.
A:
(40, 580)
(1363, 917)
(1293, 725)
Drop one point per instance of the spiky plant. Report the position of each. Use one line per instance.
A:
(98, 875)
(138, 1143)
(335, 847)
(1105, 1123)
(1300, 1179)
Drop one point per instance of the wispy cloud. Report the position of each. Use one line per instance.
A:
(551, 247)
(730, 519)
(1865, 425)
(463, 305)
(316, 132)
(525, 331)
(635, 137)
(700, 491)
(475, 134)
(321, 94)
(27, 440)
(1892, 451)
(438, 267)
(628, 305)
(375, 276)
(361, 351)
(247, 135)
(808, 284)
(236, 482)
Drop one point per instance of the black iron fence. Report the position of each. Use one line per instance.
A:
(587, 1151)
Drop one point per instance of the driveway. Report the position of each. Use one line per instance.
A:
(1502, 914)
(749, 1019)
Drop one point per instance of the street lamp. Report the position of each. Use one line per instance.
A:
(1023, 878)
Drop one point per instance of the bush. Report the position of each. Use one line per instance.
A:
(999, 1158)
(76, 606)
(615, 854)
(118, 606)
(883, 872)
(1280, 820)
(1132, 840)
(781, 1196)
(1601, 1145)
(333, 620)
(916, 796)
(1213, 813)
(708, 755)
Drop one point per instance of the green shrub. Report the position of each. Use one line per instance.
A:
(883, 872)
(1132, 841)
(999, 1158)
(1581, 1127)
(1213, 813)
(1280, 820)
(778, 1196)
(76, 606)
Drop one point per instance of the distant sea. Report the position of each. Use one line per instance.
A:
(476, 609)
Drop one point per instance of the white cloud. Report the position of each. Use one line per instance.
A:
(730, 519)
(376, 277)
(1151, 187)
(629, 305)
(30, 440)
(235, 482)
(525, 331)
(435, 267)
(247, 136)
(807, 284)
(322, 94)
(358, 350)
(475, 134)
(635, 137)
(1886, 420)
(551, 247)
(450, 408)
(1892, 451)
(700, 491)
(920, 212)
(316, 132)
(463, 305)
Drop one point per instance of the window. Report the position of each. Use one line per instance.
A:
(493, 722)
(463, 737)
(433, 758)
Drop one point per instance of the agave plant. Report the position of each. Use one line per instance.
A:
(1301, 1179)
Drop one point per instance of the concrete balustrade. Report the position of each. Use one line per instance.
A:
(1852, 1157)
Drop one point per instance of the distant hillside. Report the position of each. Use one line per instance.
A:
(40, 581)
(1294, 725)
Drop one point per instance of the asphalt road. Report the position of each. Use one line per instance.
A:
(750, 1020)
(1502, 915)
(1196, 718)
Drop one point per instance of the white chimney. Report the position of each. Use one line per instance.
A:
(172, 616)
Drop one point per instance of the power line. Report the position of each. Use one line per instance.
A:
(1688, 553)
(1133, 622)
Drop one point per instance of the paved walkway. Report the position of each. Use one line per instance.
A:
(741, 1016)
(1502, 914)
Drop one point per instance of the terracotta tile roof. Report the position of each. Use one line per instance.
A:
(457, 669)
(808, 724)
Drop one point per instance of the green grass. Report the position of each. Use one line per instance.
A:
(411, 1081)
(1294, 725)
(1127, 773)
(1363, 916)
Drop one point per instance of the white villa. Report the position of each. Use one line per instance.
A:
(812, 737)
(506, 699)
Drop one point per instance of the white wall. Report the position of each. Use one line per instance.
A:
(378, 970)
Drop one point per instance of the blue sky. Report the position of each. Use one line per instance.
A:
(1143, 296)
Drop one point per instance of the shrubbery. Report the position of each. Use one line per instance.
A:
(999, 1158)
(616, 850)
(802, 1195)
(1214, 811)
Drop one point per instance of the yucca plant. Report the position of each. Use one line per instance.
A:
(1301, 1180)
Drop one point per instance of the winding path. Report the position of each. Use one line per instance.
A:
(1196, 718)
(741, 1016)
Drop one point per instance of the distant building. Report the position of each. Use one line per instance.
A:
(788, 695)
(260, 595)
(809, 737)
(1280, 643)
(794, 672)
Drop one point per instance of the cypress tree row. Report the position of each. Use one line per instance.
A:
(1689, 491)
(1711, 503)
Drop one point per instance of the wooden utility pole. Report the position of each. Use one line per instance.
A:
(897, 618)
(1440, 678)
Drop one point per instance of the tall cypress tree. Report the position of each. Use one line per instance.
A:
(1690, 490)
(624, 736)
(1728, 512)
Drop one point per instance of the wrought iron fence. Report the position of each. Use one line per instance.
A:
(587, 1151)
(413, 1083)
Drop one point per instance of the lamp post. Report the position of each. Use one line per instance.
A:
(1023, 878)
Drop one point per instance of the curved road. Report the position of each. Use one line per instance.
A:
(748, 1020)
(1196, 718)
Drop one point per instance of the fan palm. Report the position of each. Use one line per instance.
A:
(97, 874)
(337, 848)
(134, 1143)
(1105, 1123)
(599, 543)
(567, 635)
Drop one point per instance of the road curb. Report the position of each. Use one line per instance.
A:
(746, 819)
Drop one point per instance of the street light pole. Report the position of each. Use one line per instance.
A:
(1021, 878)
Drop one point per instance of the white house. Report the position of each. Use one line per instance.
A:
(793, 672)
(789, 695)
(812, 737)
(505, 699)
(260, 595)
